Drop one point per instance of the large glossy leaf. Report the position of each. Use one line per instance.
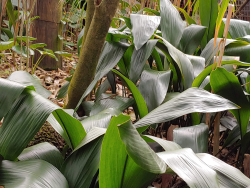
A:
(44, 151)
(194, 137)
(189, 101)
(81, 166)
(190, 168)
(110, 101)
(101, 89)
(26, 79)
(209, 51)
(208, 10)
(227, 85)
(172, 25)
(143, 27)
(25, 118)
(238, 28)
(198, 64)
(140, 102)
(113, 156)
(139, 150)
(101, 119)
(139, 59)
(6, 45)
(31, 173)
(242, 51)
(135, 176)
(181, 62)
(245, 38)
(154, 86)
(12, 90)
(191, 38)
(165, 144)
(203, 75)
(117, 169)
(228, 176)
(22, 50)
(112, 52)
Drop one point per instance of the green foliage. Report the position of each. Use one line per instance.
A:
(163, 64)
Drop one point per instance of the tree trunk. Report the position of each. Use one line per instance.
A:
(91, 49)
(46, 29)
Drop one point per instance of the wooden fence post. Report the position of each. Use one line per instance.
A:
(47, 29)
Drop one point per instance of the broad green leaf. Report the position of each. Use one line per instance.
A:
(194, 137)
(238, 28)
(228, 176)
(158, 60)
(172, 25)
(37, 45)
(117, 169)
(139, 59)
(48, 52)
(113, 155)
(100, 120)
(63, 91)
(112, 52)
(22, 50)
(6, 45)
(208, 52)
(119, 34)
(24, 39)
(135, 176)
(110, 101)
(143, 27)
(190, 168)
(189, 101)
(63, 54)
(154, 86)
(71, 126)
(191, 38)
(10, 12)
(165, 144)
(203, 75)
(140, 102)
(208, 11)
(81, 166)
(102, 89)
(198, 64)
(8, 32)
(25, 118)
(12, 90)
(26, 79)
(227, 85)
(31, 173)
(181, 62)
(44, 151)
(242, 51)
(139, 150)
(245, 38)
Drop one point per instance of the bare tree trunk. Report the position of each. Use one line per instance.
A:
(91, 49)
(90, 13)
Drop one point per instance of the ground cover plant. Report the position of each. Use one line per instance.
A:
(168, 69)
